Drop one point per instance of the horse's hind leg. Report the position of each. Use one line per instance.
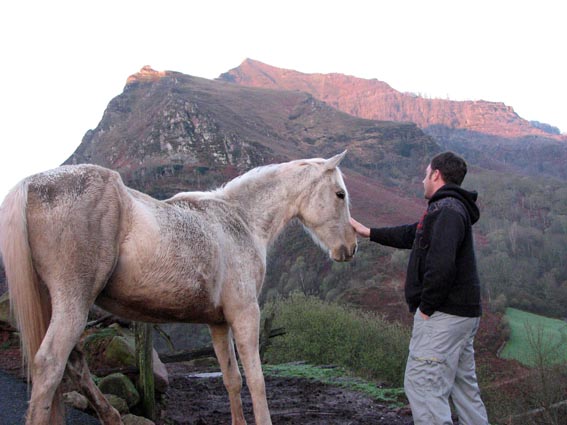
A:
(67, 323)
(78, 371)
(224, 349)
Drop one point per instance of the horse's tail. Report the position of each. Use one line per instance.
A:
(30, 304)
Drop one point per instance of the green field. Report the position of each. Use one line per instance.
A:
(535, 340)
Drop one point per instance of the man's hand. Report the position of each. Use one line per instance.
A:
(360, 228)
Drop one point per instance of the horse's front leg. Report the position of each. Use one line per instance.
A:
(246, 328)
(224, 349)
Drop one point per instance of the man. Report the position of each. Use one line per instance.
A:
(442, 288)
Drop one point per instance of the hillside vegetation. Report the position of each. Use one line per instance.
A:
(328, 333)
(522, 243)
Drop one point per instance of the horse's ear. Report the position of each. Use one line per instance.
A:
(332, 163)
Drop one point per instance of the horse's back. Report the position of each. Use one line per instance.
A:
(74, 193)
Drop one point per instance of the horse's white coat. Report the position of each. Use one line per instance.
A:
(85, 238)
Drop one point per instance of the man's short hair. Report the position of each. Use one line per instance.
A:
(452, 167)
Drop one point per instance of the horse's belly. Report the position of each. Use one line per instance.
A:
(164, 275)
(162, 299)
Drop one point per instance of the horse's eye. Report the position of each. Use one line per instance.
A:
(341, 194)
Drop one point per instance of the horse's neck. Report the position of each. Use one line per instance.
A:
(268, 204)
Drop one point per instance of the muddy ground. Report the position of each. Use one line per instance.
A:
(203, 401)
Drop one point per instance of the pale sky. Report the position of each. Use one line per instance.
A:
(61, 62)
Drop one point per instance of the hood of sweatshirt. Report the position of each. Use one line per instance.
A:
(468, 198)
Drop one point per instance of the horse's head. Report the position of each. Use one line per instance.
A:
(324, 210)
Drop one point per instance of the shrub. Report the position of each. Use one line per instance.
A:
(328, 333)
(500, 304)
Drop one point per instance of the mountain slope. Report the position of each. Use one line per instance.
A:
(168, 132)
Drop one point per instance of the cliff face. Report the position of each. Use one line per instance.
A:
(488, 133)
(376, 100)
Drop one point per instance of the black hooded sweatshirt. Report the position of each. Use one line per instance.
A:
(442, 274)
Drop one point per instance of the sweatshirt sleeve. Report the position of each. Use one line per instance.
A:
(440, 263)
(396, 237)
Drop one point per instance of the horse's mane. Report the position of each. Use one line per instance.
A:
(257, 174)
(264, 172)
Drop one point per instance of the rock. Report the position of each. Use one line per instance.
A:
(115, 347)
(119, 384)
(118, 403)
(94, 343)
(136, 420)
(146, 74)
(76, 400)
(161, 377)
(120, 351)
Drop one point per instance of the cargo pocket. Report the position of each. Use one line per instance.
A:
(427, 372)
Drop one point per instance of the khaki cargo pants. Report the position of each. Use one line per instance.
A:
(441, 365)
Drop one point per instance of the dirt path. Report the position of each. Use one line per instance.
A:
(204, 401)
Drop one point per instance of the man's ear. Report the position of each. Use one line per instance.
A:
(437, 176)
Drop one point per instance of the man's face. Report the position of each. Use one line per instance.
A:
(429, 185)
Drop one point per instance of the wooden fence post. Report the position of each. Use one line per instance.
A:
(144, 361)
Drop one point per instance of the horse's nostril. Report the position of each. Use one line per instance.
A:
(344, 253)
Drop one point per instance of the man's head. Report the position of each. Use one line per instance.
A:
(444, 168)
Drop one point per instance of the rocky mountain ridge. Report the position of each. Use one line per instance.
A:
(488, 133)
(374, 99)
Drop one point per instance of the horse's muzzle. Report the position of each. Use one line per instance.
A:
(344, 253)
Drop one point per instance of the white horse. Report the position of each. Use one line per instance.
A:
(77, 235)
